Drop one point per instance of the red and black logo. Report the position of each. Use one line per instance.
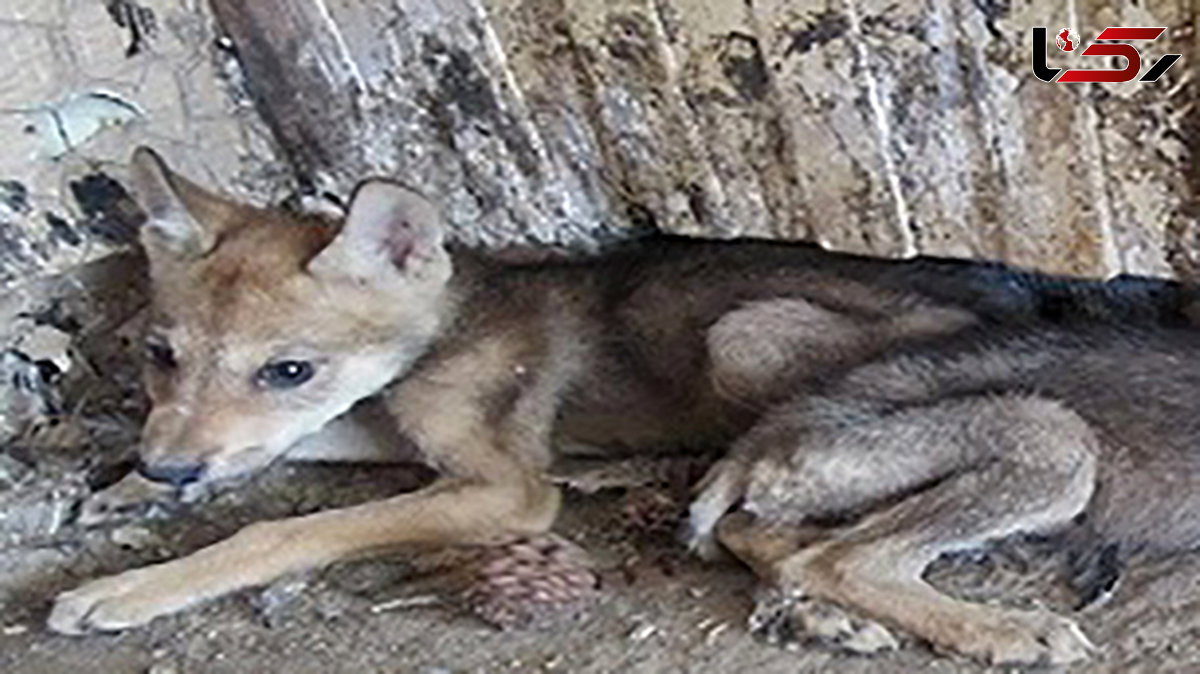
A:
(1068, 41)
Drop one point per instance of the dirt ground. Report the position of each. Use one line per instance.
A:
(660, 611)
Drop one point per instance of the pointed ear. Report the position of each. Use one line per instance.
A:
(181, 218)
(390, 232)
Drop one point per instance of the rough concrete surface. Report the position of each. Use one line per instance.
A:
(888, 128)
(84, 81)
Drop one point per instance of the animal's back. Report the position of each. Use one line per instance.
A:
(650, 306)
(992, 290)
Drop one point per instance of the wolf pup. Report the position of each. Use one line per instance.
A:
(266, 326)
(955, 444)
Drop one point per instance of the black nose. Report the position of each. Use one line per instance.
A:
(174, 473)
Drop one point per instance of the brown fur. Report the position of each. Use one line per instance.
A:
(489, 367)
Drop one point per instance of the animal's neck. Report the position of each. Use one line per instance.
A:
(471, 266)
(473, 274)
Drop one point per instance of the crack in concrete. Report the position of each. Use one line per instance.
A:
(882, 123)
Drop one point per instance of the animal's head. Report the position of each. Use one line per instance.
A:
(265, 325)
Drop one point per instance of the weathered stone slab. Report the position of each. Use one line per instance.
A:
(888, 128)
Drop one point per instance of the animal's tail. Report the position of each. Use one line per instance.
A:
(1003, 293)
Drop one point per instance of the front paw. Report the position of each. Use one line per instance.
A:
(1011, 637)
(117, 602)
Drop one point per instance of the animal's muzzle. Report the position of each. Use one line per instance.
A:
(176, 473)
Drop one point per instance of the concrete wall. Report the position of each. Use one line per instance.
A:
(890, 128)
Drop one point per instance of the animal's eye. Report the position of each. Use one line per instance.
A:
(159, 351)
(284, 373)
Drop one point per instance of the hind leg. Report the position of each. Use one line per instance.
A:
(766, 456)
(1012, 464)
(762, 352)
(767, 351)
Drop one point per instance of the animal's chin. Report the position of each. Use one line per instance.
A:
(224, 474)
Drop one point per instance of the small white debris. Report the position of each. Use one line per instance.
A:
(643, 632)
(44, 342)
(14, 630)
(400, 603)
(715, 633)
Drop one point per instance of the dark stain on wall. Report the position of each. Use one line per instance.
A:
(465, 88)
(110, 212)
(15, 195)
(825, 27)
(61, 230)
(743, 65)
